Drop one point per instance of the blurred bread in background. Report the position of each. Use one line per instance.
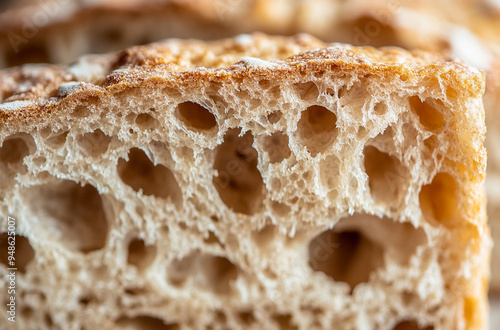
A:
(59, 31)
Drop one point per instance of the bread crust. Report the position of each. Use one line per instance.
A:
(154, 61)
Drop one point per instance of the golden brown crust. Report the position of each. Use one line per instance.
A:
(179, 61)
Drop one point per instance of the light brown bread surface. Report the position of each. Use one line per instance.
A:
(60, 31)
(256, 182)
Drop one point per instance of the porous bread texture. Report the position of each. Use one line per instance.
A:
(468, 30)
(248, 185)
(464, 29)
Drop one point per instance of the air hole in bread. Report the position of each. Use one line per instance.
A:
(284, 322)
(280, 209)
(451, 93)
(362, 133)
(346, 256)
(48, 320)
(411, 325)
(274, 117)
(71, 214)
(179, 270)
(264, 236)
(196, 117)
(144, 322)
(81, 111)
(386, 176)
(276, 147)
(330, 175)
(264, 84)
(145, 121)
(404, 77)
(307, 91)
(380, 108)
(274, 95)
(438, 200)
(142, 175)
(54, 139)
(355, 248)
(206, 271)
(398, 240)
(428, 115)
(219, 273)
(130, 118)
(85, 300)
(317, 128)
(93, 144)
(220, 319)
(135, 291)
(319, 74)
(339, 93)
(354, 100)
(27, 312)
(23, 254)
(139, 254)
(238, 181)
(15, 148)
(246, 317)
(212, 239)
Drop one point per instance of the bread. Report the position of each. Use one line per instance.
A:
(467, 29)
(60, 31)
(255, 182)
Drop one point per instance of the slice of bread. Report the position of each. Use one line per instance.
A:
(256, 182)
(467, 29)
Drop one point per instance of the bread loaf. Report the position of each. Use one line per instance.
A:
(254, 182)
(60, 31)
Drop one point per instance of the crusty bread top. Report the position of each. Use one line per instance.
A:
(32, 94)
(173, 61)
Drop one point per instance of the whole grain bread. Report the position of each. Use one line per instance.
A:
(254, 182)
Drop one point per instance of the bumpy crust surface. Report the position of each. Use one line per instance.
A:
(191, 61)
